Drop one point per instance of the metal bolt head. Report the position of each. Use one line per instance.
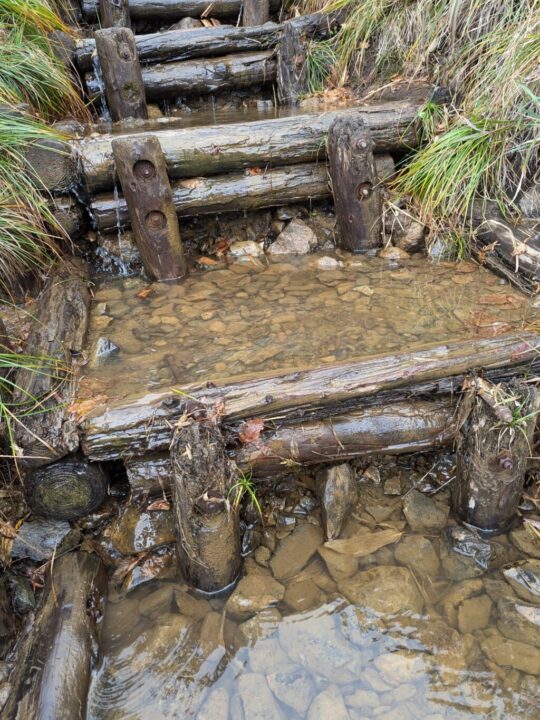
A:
(155, 220)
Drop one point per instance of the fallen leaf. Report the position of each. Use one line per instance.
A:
(82, 408)
(499, 299)
(364, 543)
(365, 290)
(254, 171)
(161, 504)
(222, 248)
(462, 279)
(466, 267)
(7, 530)
(251, 430)
(192, 183)
(207, 261)
(145, 292)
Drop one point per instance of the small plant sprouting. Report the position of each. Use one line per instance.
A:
(244, 486)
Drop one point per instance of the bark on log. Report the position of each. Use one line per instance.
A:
(199, 77)
(58, 333)
(53, 164)
(511, 251)
(66, 490)
(211, 150)
(176, 45)
(172, 10)
(255, 12)
(208, 525)
(57, 654)
(141, 425)
(292, 71)
(392, 428)
(143, 175)
(357, 199)
(121, 72)
(492, 455)
(70, 215)
(114, 13)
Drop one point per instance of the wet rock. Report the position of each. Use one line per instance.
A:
(392, 485)
(384, 589)
(257, 699)
(215, 706)
(406, 232)
(288, 212)
(336, 489)
(246, 248)
(211, 635)
(524, 578)
(526, 541)
(296, 239)
(458, 594)
(418, 553)
(363, 699)
(510, 653)
(187, 23)
(262, 556)
(473, 614)
(172, 635)
(157, 602)
(259, 627)
(303, 595)
(443, 648)
(105, 348)
(339, 566)
(293, 687)
(463, 554)
(328, 263)
(158, 565)
(294, 551)
(519, 621)
(398, 667)
(423, 514)
(22, 596)
(253, 593)
(393, 253)
(266, 656)
(138, 530)
(329, 704)
(189, 605)
(39, 539)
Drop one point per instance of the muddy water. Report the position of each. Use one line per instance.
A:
(426, 627)
(257, 316)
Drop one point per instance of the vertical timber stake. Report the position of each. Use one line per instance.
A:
(494, 441)
(291, 66)
(255, 12)
(122, 74)
(357, 198)
(114, 13)
(142, 171)
(208, 525)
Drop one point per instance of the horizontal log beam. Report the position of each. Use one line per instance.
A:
(211, 150)
(201, 76)
(144, 424)
(173, 10)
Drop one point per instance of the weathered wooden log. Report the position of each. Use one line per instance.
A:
(494, 442)
(201, 76)
(66, 490)
(121, 72)
(53, 163)
(255, 12)
(172, 10)
(70, 215)
(511, 251)
(57, 653)
(176, 45)
(143, 424)
(5, 340)
(142, 170)
(114, 13)
(357, 199)
(208, 524)
(57, 335)
(292, 71)
(393, 428)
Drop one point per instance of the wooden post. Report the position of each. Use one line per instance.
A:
(255, 12)
(357, 199)
(291, 65)
(142, 170)
(208, 525)
(495, 435)
(114, 13)
(121, 72)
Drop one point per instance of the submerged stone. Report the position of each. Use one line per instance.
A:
(418, 553)
(473, 614)
(526, 541)
(524, 578)
(511, 653)
(519, 621)
(423, 514)
(253, 593)
(336, 488)
(138, 530)
(215, 705)
(294, 552)
(329, 704)
(296, 239)
(257, 699)
(293, 686)
(386, 589)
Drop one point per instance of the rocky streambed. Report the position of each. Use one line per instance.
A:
(405, 616)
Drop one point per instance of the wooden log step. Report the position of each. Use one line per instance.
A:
(58, 652)
(58, 332)
(201, 76)
(177, 45)
(173, 10)
(144, 424)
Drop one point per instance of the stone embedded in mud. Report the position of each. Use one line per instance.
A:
(39, 539)
(339, 566)
(259, 627)
(329, 704)
(399, 667)
(385, 589)
(293, 687)
(510, 653)
(293, 552)
(257, 699)
(526, 541)
(253, 593)
(296, 239)
(157, 602)
(524, 577)
(406, 232)
(519, 621)
(473, 614)
(336, 489)
(393, 253)
(418, 553)
(138, 530)
(215, 705)
(190, 605)
(423, 514)
(262, 556)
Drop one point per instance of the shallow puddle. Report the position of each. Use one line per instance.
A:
(432, 625)
(262, 317)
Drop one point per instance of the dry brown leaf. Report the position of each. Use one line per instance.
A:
(364, 543)
(254, 171)
(192, 183)
(499, 299)
(82, 408)
(251, 430)
(160, 504)
(145, 292)
(7, 530)
(207, 261)
(462, 279)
